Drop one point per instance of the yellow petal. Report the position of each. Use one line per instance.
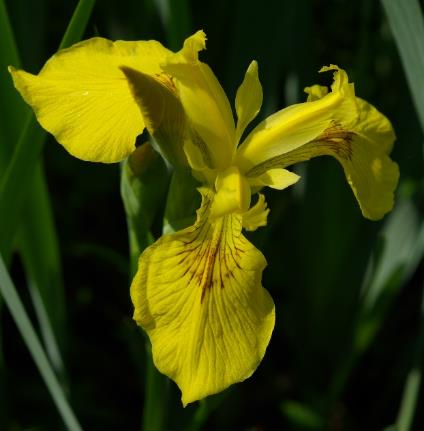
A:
(363, 153)
(162, 112)
(198, 295)
(248, 99)
(192, 46)
(340, 79)
(81, 96)
(369, 170)
(205, 102)
(316, 92)
(276, 178)
(298, 124)
(232, 193)
(257, 215)
(373, 178)
(357, 135)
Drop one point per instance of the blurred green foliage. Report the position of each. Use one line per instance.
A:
(348, 291)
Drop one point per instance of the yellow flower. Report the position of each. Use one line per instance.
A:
(198, 291)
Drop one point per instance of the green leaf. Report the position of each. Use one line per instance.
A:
(12, 109)
(406, 22)
(17, 310)
(76, 27)
(38, 246)
(302, 416)
(396, 258)
(401, 249)
(15, 183)
(176, 19)
(413, 382)
(38, 241)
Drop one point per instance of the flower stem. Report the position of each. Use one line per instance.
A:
(156, 395)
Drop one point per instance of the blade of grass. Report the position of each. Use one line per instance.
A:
(38, 240)
(176, 19)
(406, 22)
(15, 182)
(12, 108)
(411, 390)
(17, 310)
(51, 316)
(402, 249)
(38, 246)
(76, 27)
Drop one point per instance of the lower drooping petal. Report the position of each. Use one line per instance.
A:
(198, 294)
(357, 135)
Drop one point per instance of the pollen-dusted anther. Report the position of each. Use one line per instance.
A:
(167, 80)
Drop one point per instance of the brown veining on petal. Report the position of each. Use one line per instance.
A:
(334, 141)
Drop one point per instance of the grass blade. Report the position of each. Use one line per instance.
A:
(38, 246)
(401, 252)
(406, 21)
(38, 241)
(14, 304)
(12, 108)
(78, 23)
(176, 19)
(21, 168)
(411, 390)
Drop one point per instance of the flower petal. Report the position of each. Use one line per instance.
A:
(205, 102)
(358, 136)
(162, 113)
(198, 295)
(82, 97)
(257, 215)
(296, 125)
(232, 193)
(248, 99)
(276, 178)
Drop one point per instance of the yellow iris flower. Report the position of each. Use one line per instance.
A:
(198, 292)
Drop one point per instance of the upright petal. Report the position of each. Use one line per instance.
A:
(81, 96)
(205, 103)
(248, 99)
(198, 295)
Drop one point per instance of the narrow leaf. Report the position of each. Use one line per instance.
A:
(38, 246)
(17, 310)
(406, 21)
(15, 182)
(413, 382)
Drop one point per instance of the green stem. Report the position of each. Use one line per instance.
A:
(141, 202)
(156, 384)
(156, 395)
